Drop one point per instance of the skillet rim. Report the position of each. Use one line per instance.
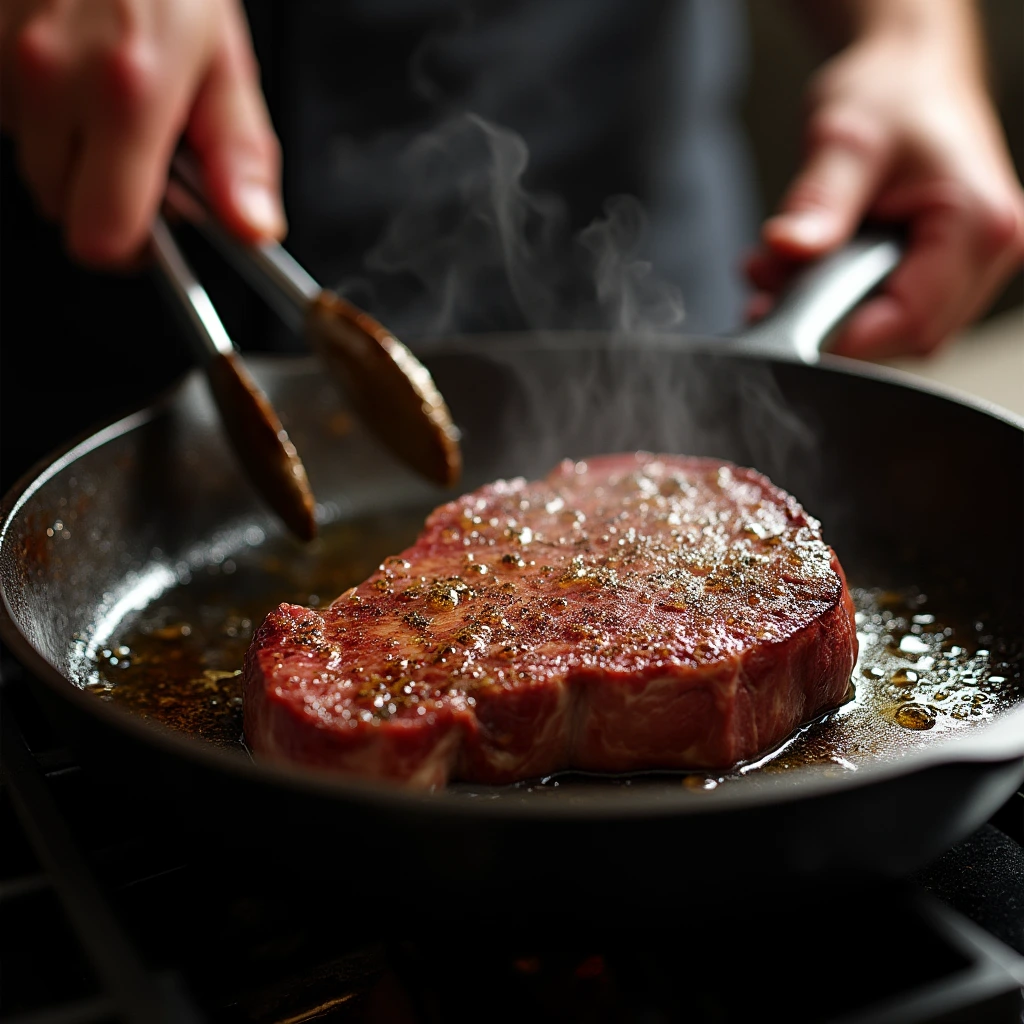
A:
(992, 744)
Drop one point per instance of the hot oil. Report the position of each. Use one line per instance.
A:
(923, 671)
(180, 660)
(919, 676)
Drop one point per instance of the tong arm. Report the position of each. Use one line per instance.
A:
(268, 267)
(207, 334)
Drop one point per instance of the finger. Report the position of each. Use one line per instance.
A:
(930, 294)
(113, 195)
(47, 113)
(846, 162)
(769, 271)
(229, 129)
(878, 330)
(962, 251)
(1004, 239)
(132, 121)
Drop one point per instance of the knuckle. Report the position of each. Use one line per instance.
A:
(129, 78)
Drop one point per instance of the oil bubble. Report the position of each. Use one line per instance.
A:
(915, 716)
(904, 677)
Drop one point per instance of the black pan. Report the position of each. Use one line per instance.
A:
(921, 492)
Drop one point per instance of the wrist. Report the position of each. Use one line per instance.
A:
(922, 31)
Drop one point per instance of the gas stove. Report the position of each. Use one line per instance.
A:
(111, 915)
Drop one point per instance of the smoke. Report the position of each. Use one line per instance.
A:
(632, 298)
(473, 251)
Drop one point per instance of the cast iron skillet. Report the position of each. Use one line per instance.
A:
(913, 484)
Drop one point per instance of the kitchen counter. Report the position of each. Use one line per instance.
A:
(986, 361)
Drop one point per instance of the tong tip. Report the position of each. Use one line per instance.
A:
(262, 445)
(391, 390)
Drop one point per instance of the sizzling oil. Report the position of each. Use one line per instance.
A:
(180, 660)
(922, 671)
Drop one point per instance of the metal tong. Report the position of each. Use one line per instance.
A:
(385, 384)
(253, 428)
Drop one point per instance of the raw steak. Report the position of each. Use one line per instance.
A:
(628, 612)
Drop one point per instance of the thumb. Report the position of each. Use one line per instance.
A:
(832, 191)
(230, 131)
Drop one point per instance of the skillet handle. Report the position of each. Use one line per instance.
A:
(821, 296)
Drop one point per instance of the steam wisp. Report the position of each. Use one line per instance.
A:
(480, 253)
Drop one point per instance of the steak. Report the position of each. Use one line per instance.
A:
(628, 612)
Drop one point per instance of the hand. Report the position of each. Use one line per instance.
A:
(96, 96)
(899, 132)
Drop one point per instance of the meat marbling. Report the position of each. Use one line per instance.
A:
(628, 612)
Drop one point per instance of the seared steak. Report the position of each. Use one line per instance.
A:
(628, 612)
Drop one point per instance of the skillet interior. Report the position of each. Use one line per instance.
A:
(897, 476)
(911, 487)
